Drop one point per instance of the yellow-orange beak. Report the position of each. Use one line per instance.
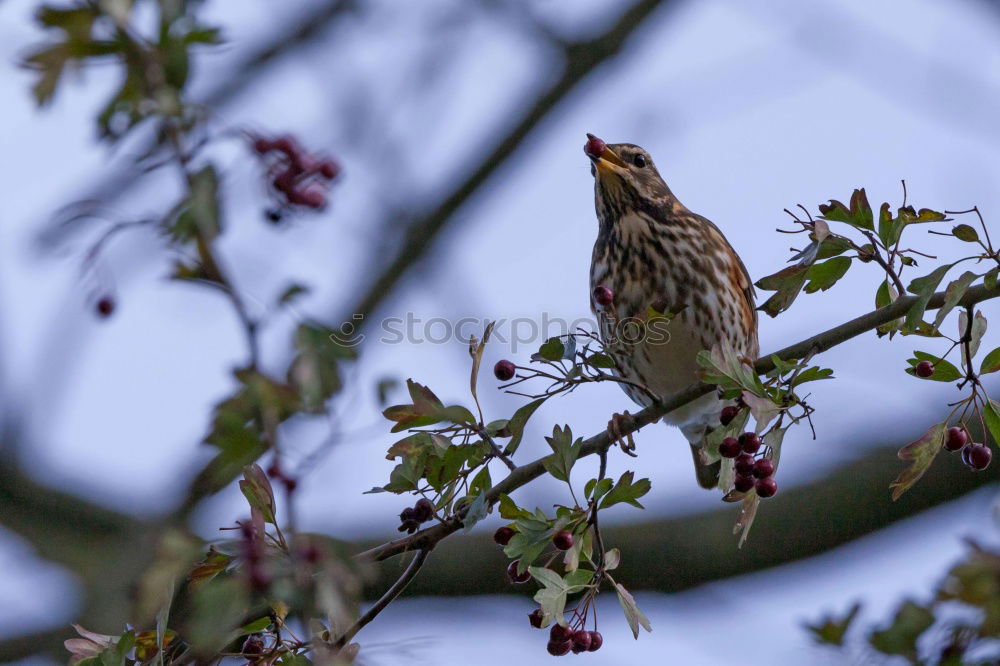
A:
(603, 157)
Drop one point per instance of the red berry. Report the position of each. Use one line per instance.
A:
(535, 618)
(515, 577)
(328, 169)
(596, 641)
(955, 439)
(603, 296)
(594, 146)
(503, 535)
(729, 413)
(730, 447)
(274, 469)
(290, 484)
(287, 145)
(744, 464)
(924, 369)
(105, 306)
(253, 646)
(750, 442)
(285, 182)
(406, 514)
(563, 540)
(763, 468)
(766, 487)
(310, 197)
(504, 370)
(977, 456)
(560, 633)
(559, 648)
(743, 483)
(423, 510)
(262, 145)
(581, 641)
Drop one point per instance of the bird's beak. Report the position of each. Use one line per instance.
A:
(603, 157)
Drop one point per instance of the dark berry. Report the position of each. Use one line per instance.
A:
(503, 535)
(310, 553)
(744, 464)
(559, 648)
(290, 484)
(105, 306)
(581, 641)
(750, 442)
(977, 456)
(763, 468)
(594, 147)
(253, 645)
(955, 439)
(766, 487)
(504, 370)
(603, 296)
(924, 369)
(423, 510)
(596, 641)
(729, 413)
(328, 169)
(563, 540)
(730, 447)
(406, 514)
(287, 145)
(560, 633)
(262, 145)
(274, 469)
(743, 483)
(515, 577)
(535, 618)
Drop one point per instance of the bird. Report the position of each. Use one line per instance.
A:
(652, 252)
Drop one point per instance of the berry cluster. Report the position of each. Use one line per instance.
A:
(975, 456)
(296, 176)
(565, 639)
(253, 646)
(411, 517)
(562, 540)
(751, 471)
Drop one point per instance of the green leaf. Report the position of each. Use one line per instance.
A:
(991, 416)
(901, 637)
(292, 292)
(633, 615)
(965, 233)
(510, 510)
(991, 363)
(824, 275)
(612, 559)
(976, 331)
(786, 283)
(257, 489)
(920, 454)
(256, 626)
(477, 511)
(923, 287)
(831, 630)
(551, 350)
(990, 279)
(626, 491)
(601, 361)
(598, 488)
(859, 215)
(887, 227)
(518, 422)
(944, 371)
(953, 294)
(565, 452)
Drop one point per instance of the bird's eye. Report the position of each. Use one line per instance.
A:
(639, 160)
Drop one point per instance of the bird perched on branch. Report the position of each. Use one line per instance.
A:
(665, 284)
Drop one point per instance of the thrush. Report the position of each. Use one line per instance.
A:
(656, 256)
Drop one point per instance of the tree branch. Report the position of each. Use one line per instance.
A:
(526, 473)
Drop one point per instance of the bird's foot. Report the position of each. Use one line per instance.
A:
(615, 432)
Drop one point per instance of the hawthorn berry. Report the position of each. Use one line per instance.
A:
(924, 369)
(763, 468)
(328, 169)
(560, 633)
(563, 540)
(559, 648)
(535, 618)
(750, 442)
(105, 306)
(423, 510)
(311, 197)
(744, 483)
(603, 296)
(744, 464)
(730, 447)
(503, 535)
(406, 514)
(766, 487)
(729, 413)
(253, 645)
(290, 484)
(262, 145)
(581, 641)
(594, 147)
(515, 577)
(955, 439)
(596, 641)
(977, 456)
(504, 370)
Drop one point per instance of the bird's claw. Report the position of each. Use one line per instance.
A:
(615, 434)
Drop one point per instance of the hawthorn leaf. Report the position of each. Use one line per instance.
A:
(831, 630)
(966, 233)
(991, 363)
(900, 638)
(824, 275)
(953, 294)
(920, 454)
(518, 422)
(991, 416)
(786, 284)
(626, 491)
(944, 371)
(633, 615)
(976, 333)
(923, 287)
(565, 452)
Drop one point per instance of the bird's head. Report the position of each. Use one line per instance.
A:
(625, 177)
